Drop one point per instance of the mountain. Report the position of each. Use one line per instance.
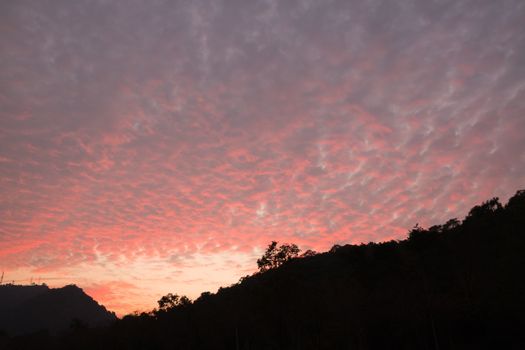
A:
(458, 285)
(26, 309)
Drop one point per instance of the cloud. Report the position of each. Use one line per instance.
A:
(116, 295)
(168, 135)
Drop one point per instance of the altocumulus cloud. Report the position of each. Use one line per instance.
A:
(151, 139)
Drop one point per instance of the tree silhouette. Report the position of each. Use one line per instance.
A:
(308, 253)
(488, 207)
(171, 301)
(451, 286)
(275, 257)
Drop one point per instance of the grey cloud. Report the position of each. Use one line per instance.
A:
(149, 104)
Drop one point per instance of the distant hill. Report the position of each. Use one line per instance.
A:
(26, 309)
(458, 285)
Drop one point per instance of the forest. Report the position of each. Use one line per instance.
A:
(458, 285)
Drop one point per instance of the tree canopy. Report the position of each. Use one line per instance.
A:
(451, 286)
(276, 256)
(171, 301)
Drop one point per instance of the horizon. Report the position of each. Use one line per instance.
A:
(32, 282)
(153, 147)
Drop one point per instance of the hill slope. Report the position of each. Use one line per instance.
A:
(458, 285)
(26, 309)
(454, 286)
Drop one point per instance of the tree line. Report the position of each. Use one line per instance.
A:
(457, 285)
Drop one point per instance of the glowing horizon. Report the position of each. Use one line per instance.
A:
(155, 147)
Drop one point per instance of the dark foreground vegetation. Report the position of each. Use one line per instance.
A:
(29, 309)
(455, 286)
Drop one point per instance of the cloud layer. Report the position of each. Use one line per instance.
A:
(158, 146)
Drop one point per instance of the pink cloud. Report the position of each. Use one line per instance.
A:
(153, 155)
(117, 295)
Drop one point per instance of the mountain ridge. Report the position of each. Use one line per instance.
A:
(451, 286)
(31, 308)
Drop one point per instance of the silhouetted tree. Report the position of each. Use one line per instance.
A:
(451, 286)
(487, 208)
(308, 253)
(335, 248)
(276, 256)
(451, 224)
(171, 301)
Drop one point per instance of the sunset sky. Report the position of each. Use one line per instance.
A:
(149, 147)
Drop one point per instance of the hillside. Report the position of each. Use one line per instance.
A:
(454, 286)
(26, 309)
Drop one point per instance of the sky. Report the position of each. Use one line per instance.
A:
(149, 147)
